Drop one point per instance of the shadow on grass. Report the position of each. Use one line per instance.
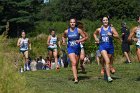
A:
(84, 77)
(81, 72)
(138, 79)
(115, 77)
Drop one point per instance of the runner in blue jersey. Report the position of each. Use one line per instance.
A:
(106, 33)
(73, 47)
(135, 36)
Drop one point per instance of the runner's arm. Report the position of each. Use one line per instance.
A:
(64, 36)
(29, 44)
(48, 40)
(83, 36)
(59, 43)
(115, 33)
(86, 35)
(95, 35)
(131, 36)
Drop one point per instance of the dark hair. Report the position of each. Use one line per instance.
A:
(123, 23)
(74, 19)
(40, 57)
(47, 57)
(106, 17)
(51, 29)
(137, 17)
(22, 31)
(37, 59)
(80, 25)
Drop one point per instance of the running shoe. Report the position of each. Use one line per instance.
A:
(110, 79)
(21, 70)
(28, 68)
(76, 82)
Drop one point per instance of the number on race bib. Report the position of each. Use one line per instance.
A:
(105, 39)
(73, 43)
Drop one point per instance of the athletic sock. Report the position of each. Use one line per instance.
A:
(21, 70)
(25, 67)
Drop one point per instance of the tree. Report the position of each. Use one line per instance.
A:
(62, 10)
(21, 14)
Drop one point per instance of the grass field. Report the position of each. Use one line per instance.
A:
(126, 80)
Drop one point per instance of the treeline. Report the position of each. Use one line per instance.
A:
(27, 14)
(62, 10)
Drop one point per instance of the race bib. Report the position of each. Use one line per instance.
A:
(53, 42)
(72, 43)
(105, 39)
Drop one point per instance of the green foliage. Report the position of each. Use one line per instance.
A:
(25, 14)
(11, 81)
(22, 14)
(61, 10)
(90, 27)
(44, 26)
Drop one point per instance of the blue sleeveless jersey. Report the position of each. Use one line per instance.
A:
(72, 46)
(106, 42)
(104, 38)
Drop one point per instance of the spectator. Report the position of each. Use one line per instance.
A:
(53, 66)
(47, 63)
(42, 60)
(33, 65)
(125, 44)
(86, 60)
(39, 65)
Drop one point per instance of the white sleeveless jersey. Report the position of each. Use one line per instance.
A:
(24, 44)
(53, 41)
(138, 36)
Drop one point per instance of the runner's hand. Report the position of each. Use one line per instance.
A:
(77, 41)
(109, 34)
(96, 40)
(82, 42)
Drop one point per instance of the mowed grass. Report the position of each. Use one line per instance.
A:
(126, 80)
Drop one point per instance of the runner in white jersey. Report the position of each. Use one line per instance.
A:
(135, 36)
(52, 46)
(24, 44)
(82, 52)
